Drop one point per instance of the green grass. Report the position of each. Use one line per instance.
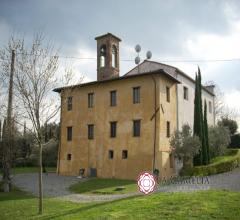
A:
(203, 205)
(18, 170)
(219, 164)
(104, 186)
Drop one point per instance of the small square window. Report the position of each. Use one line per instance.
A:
(168, 94)
(90, 100)
(110, 154)
(113, 98)
(90, 131)
(69, 133)
(136, 95)
(168, 129)
(69, 103)
(185, 93)
(124, 154)
(136, 128)
(69, 156)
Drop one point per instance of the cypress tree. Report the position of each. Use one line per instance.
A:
(0, 140)
(195, 123)
(0, 131)
(199, 125)
(206, 132)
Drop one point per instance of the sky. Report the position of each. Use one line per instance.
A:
(174, 31)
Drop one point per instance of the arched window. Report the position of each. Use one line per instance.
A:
(103, 56)
(114, 56)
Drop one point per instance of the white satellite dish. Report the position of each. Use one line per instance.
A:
(149, 55)
(137, 48)
(137, 60)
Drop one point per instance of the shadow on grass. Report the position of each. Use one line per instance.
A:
(83, 209)
(96, 184)
(15, 195)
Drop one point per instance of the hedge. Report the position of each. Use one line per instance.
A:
(229, 163)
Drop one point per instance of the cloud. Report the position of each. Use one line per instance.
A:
(175, 30)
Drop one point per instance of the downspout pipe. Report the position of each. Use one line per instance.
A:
(155, 122)
(60, 131)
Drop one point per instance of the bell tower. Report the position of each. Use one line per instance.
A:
(107, 56)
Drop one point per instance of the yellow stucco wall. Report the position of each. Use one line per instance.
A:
(94, 153)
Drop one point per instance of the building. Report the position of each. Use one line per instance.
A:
(119, 126)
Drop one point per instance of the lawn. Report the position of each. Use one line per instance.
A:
(219, 164)
(201, 205)
(105, 186)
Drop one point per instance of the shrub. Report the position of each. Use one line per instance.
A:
(219, 139)
(228, 163)
(235, 141)
(185, 145)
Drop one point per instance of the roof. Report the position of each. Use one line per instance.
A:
(158, 71)
(148, 65)
(108, 34)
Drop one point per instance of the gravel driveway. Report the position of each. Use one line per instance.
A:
(53, 185)
(227, 181)
(57, 186)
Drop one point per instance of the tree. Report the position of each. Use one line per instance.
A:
(185, 145)
(219, 139)
(235, 141)
(198, 118)
(206, 158)
(229, 123)
(35, 77)
(200, 123)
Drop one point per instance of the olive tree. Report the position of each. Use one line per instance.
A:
(185, 145)
(219, 139)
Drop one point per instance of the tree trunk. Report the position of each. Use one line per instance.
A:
(187, 162)
(40, 207)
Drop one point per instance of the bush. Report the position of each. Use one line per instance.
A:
(235, 141)
(219, 139)
(228, 163)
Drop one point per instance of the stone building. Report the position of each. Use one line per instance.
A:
(119, 126)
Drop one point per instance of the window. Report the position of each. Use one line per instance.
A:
(113, 98)
(171, 160)
(90, 131)
(185, 93)
(113, 129)
(168, 129)
(210, 107)
(69, 103)
(90, 100)
(110, 154)
(69, 133)
(136, 95)
(69, 156)
(168, 94)
(103, 56)
(136, 128)
(124, 154)
(114, 56)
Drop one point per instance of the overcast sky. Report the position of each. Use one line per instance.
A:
(172, 30)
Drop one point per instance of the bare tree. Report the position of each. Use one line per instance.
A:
(220, 107)
(35, 78)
